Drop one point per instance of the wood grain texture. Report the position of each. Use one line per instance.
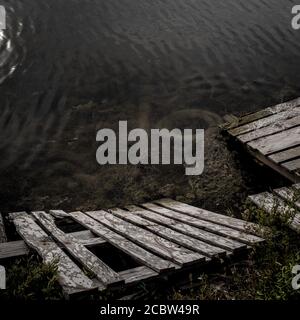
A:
(208, 237)
(222, 230)
(3, 237)
(286, 155)
(172, 235)
(292, 165)
(270, 129)
(161, 246)
(267, 123)
(13, 249)
(277, 142)
(79, 252)
(206, 215)
(137, 274)
(143, 256)
(264, 113)
(71, 278)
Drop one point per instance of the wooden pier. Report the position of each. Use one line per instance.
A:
(156, 240)
(284, 201)
(272, 136)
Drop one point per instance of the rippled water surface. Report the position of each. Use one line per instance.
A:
(161, 57)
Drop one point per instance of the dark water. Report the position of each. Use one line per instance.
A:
(213, 56)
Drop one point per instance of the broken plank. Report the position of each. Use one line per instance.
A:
(145, 257)
(277, 142)
(285, 155)
(137, 274)
(147, 239)
(273, 204)
(79, 252)
(222, 230)
(71, 278)
(208, 237)
(171, 234)
(206, 215)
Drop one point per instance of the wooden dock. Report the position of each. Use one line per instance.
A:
(284, 201)
(272, 136)
(157, 239)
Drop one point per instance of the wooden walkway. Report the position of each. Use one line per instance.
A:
(272, 136)
(161, 238)
(284, 201)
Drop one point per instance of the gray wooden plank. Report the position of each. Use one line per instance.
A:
(171, 234)
(143, 256)
(3, 237)
(208, 237)
(222, 230)
(263, 113)
(87, 238)
(277, 142)
(137, 274)
(289, 194)
(272, 203)
(285, 155)
(268, 123)
(13, 249)
(292, 165)
(206, 215)
(18, 248)
(79, 252)
(71, 278)
(147, 239)
(270, 129)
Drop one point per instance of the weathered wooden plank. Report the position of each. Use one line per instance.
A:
(208, 237)
(292, 165)
(263, 113)
(271, 203)
(59, 214)
(13, 249)
(277, 142)
(71, 278)
(3, 237)
(222, 230)
(79, 252)
(291, 195)
(137, 274)
(285, 155)
(171, 234)
(147, 239)
(145, 257)
(87, 238)
(267, 123)
(206, 215)
(19, 248)
(271, 129)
